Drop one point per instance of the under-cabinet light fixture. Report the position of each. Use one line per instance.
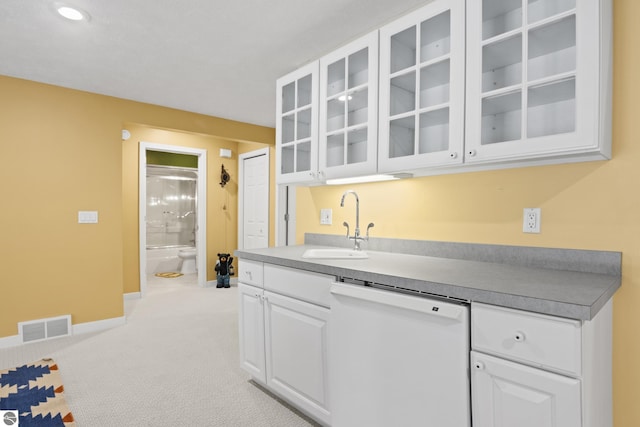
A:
(368, 178)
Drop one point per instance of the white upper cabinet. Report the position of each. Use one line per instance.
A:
(349, 110)
(538, 80)
(297, 126)
(421, 111)
(454, 86)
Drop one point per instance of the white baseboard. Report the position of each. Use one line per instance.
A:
(80, 328)
(132, 295)
(11, 341)
(98, 325)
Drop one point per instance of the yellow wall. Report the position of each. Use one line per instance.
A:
(585, 206)
(62, 152)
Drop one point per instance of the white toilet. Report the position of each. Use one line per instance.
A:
(188, 257)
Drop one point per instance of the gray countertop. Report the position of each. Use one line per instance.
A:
(572, 294)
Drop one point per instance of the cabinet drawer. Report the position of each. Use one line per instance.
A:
(251, 272)
(540, 340)
(304, 285)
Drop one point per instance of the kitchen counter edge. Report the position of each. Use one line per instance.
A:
(570, 294)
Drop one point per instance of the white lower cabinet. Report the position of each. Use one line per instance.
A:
(535, 370)
(296, 352)
(511, 394)
(251, 327)
(283, 344)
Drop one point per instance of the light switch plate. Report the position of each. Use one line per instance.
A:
(326, 216)
(87, 217)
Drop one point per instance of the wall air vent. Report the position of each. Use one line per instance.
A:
(44, 329)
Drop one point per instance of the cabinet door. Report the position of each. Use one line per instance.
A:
(348, 109)
(296, 352)
(507, 394)
(422, 88)
(297, 125)
(251, 331)
(534, 83)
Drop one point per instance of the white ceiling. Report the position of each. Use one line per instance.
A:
(214, 57)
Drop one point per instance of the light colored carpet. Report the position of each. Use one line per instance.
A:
(175, 362)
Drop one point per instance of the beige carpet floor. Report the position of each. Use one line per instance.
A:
(175, 362)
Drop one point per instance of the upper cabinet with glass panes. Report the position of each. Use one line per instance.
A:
(349, 110)
(451, 87)
(538, 79)
(421, 110)
(297, 126)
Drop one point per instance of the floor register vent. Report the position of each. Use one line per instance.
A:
(44, 329)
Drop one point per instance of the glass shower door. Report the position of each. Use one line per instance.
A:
(171, 207)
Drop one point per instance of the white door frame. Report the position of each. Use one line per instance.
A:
(241, 159)
(285, 215)
(201, 208)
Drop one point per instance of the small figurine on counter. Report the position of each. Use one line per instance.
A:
(224, 270)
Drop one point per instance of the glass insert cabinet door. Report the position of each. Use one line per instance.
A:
(532, 78)
(297, 125)
(422, 59)
(348, 109)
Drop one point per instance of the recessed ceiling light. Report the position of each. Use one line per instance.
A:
(73, 13)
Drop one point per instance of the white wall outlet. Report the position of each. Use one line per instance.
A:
(531, 220)
(326, 216)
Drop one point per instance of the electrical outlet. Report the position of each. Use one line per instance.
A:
(325, 216)
(531, 220)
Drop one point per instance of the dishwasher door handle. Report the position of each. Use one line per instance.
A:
(403, 301)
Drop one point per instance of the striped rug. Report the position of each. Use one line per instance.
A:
(35, 392)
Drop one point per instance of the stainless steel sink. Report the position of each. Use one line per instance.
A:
(335, 253)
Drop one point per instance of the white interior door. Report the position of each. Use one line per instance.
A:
(254, 199)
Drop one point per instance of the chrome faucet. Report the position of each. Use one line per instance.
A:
(356, 234)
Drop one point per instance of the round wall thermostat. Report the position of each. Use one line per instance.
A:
(125, 134)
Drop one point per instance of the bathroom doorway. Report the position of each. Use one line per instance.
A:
(173, 223)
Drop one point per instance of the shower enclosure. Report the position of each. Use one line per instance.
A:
(171, 207)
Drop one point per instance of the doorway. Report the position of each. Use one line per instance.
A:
(201, 211)
(253, 200)
(285, 215)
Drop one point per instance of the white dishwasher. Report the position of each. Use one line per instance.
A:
(397, 359)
